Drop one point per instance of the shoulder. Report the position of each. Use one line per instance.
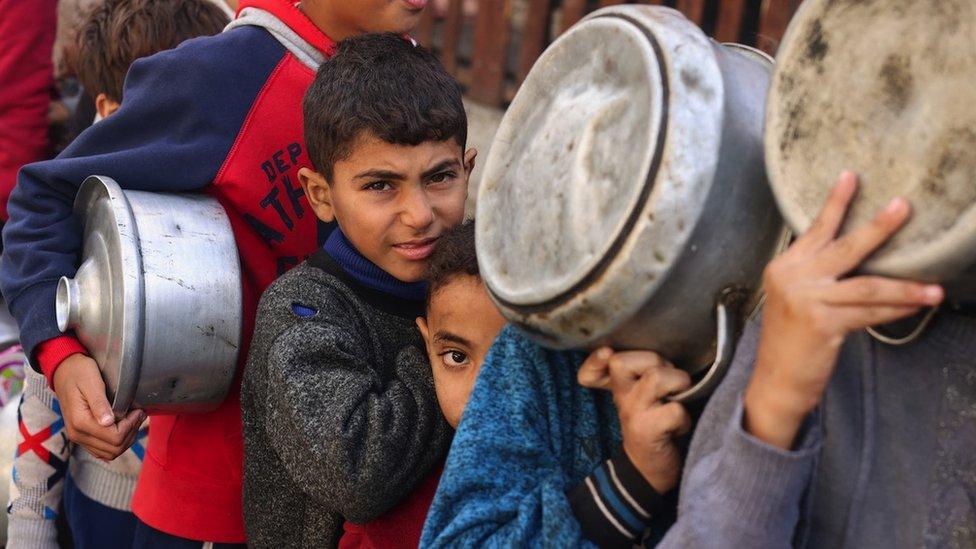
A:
(215, 74)
(307, 291)
(515, 355)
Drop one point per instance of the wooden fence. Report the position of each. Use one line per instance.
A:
(490, 45)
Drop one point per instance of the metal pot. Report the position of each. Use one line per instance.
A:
(886, 89)
(157, 299)
(624, 201)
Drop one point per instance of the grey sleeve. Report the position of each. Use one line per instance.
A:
(738, 491)
(354, 442)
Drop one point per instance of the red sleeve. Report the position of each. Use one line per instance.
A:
(27, 32)
(51, 353)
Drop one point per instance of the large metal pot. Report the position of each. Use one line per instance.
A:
(157, 299)
(886, 89)
(624, 201)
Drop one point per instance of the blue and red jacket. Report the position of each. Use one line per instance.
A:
(219, 115)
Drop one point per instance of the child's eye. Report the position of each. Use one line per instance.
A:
(378, 186)
(442, 177)
(454, 359)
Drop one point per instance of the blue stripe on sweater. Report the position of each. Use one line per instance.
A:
(634, 524)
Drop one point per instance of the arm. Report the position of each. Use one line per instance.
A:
(40, 464)
(738, 491)
(181, 114)
(354, 442)
(182, 111)
(503, 484)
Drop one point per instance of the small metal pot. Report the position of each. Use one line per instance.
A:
(624, 201)
(157, 299)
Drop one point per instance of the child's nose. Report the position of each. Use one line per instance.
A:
(418, 213)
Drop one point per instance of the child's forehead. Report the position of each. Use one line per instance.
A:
(460, 291)
(368, 142)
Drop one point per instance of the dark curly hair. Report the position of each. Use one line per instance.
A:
(454, 255)
(385, 85)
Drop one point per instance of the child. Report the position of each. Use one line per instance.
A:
(531, 461)
(96, 495)
(461, 321)
(219, 115)
(821, 436)
(340, 414)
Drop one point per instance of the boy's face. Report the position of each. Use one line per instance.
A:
(461, 325)
(345, 18)
(394, 201)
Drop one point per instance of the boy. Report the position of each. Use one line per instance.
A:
(531, 461)
(340, 414)
(96, 495)
(461, 321)
(220, 115)
(821, 436)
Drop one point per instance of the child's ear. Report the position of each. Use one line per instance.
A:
(469, 157)
(424, 331)
(105, 106)
(318, 193)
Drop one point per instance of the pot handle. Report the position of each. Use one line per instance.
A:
(726, 320)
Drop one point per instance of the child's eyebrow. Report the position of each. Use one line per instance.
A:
(443, 336)
(452, 163)
(380, 174)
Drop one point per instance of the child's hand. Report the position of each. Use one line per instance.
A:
(87, 414)
(810, 309)
(639, 381)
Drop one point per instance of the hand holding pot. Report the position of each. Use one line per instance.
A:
(810, 309)
(639, 381)
(87, 414)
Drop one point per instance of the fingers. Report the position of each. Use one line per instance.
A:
(595, 371)
(677, 420)
(875, 291)
(849, 251)
(93, 392)
(660, 382)
(828, 222)
(627, 367)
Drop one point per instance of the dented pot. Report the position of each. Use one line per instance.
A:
(624, 201)
(157, 299)
(903, 120)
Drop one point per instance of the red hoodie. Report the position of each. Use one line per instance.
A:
(220, 114)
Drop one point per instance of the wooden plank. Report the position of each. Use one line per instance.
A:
(490, 41)
(534, 36)
(694, 10)
(425, 29)
(453, 20)
(572, 11)
(774, 18)
(728, 26)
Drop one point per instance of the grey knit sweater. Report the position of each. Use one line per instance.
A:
(340, 414)
(888, 460)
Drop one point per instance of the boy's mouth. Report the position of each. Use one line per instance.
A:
(416, 250)
(416, 4)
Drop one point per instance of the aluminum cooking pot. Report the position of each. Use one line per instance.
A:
(624, 201)
(157, 299)
(885, 89)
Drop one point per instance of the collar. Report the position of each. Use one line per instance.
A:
(288, 12)
(367, 273)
